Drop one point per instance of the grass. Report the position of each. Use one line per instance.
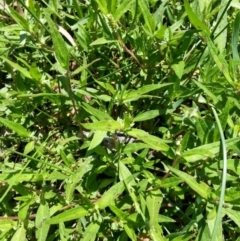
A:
(119, 120)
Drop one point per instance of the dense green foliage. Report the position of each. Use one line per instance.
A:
(119, 120)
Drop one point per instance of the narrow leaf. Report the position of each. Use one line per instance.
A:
(107, 86)
(121, 9)
(133, 147)
(101, 41)
(135, 95)
(64, 158)
(199, 187)
(125, 174)
(154, 200)
(195, 21)
(219, 60)
(61, 51)
(75, 178)
(19, 19)
(69, 215)
(148, 18)
(232, 164)
(130, 231)
(19, 235)
(96, 112)
(123, 217)
(223, 120)
(156, 233)
(154, 142)
(34, 72)
(29, 147)
(20, 130)
(102, 4)
(233, 214)
(206, 151)
(202, 128)
(171, 182)
(90, 232)
(148, 115)
(118, 212)
(23, 71)
(109, 125)
(220, 32)
(235, 36)
(42, 228)
(97, 139)
(24, 209)
(208, 92)
(110, 195)
(81, 68)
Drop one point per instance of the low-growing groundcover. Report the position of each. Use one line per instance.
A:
(119, 120)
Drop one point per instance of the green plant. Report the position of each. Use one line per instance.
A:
(112, 117)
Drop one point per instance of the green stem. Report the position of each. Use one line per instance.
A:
(224, 176)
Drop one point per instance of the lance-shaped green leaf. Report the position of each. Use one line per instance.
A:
(96, 112)
(232, 164)
(75, 178)
(97, 139)
(127, 225)
(110, 195)
(154, 200)
(20, 234)
(23, 71)
(148, 115)
(19, 19)
(153, 142)
(136, 94)
(195, 21)
(207, 151)
(42, 228)
(124, 175)
(156, 233)
(208, 92)
(102, 4)
(90, 232)
(199, 187)
(83, 67)
(109, 125)
(221, 30)
(235, 36)
(122, 8)
(101, 41)
(20, 130)
(233, 214)
(219, 59)
(61, 51)
(69, 215)
(148, 18)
